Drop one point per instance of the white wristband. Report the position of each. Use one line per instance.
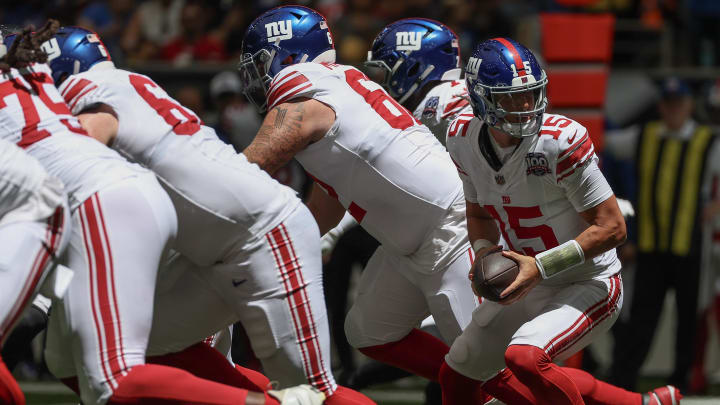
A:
(481, 244)
(559, 259)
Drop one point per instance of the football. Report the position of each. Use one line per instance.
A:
(492, 274)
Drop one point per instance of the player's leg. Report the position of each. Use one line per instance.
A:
(477, 357)
(383, 320)
(120, 236)
(273, 285)
(284, 312)
(568, 322)
(449, 295)
(650, 287)
(27, 252)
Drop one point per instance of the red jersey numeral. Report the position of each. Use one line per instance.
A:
(27, 99)
(515, 214)
(182, 121)
(554, 123)
(390, 110)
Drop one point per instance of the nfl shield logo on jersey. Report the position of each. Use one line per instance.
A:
(537, 164)
(431, 107)
(500, 179)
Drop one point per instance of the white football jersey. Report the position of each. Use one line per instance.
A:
(441, 105)
(535, 196)
(21, 177)
(385, 168)
(159, 133)
(34, 116)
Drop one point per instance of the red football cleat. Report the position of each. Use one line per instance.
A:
(667, 395)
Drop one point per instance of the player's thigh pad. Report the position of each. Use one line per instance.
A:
(572, 317)
(119, 236)
(388, 305)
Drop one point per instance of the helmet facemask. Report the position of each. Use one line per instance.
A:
(389, 84)
(517, 110)
(254, 75)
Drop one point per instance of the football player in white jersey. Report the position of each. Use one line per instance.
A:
(420, 60)
(368, 155)
(533, 178)
(34, 220)
(250, 248)
(122, 223)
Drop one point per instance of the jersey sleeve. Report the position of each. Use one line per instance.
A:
(458, 101)
(80, 93)
(295, 81)
(578, 173)
(456, 135)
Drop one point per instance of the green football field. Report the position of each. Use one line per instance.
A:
(46, 393)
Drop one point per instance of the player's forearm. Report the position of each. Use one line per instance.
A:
(482, 228)
(287, 130)
(598, 239)
(279, 138)
(327, 211)
(100, 122)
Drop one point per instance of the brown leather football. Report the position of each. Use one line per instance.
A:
(492, 274)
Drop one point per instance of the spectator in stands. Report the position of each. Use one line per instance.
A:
(154, 24)
(194, 42)
(674, 157)
(109, 19)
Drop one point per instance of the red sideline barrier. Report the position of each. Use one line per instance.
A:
(577, 88)
(577, 37)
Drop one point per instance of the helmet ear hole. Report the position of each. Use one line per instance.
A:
(413, 70)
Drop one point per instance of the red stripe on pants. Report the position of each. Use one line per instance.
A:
(291, 274)
(592, 317)
(102, 290)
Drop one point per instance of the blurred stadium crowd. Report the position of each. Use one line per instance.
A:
(191, 47)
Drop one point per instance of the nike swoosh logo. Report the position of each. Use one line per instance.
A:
(572, 138)
(238, 282)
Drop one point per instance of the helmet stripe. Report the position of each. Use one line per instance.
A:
(519, 66)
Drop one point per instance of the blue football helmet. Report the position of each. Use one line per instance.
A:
(412, 52)
(507, 87)
(72, 50)
(279, 38)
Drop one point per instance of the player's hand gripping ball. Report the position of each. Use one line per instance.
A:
(492, 273)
